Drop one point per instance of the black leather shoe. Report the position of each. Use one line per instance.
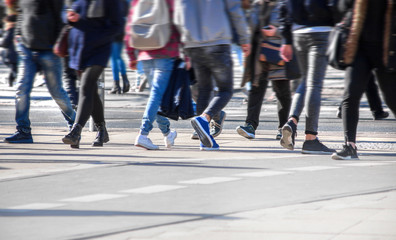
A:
(380, 115)
(74, 136)
(102, 136)
(116, 89)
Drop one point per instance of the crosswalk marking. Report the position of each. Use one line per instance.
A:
(209, 180)
(93, 198)
(34, 206)
(366, 164)
(311, 168)
(153, 189)
(261, 174)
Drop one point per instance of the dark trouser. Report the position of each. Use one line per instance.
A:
(368, 60)
(90, 103)
(373, 96)
(212, 62)
(69, 81)
(256, 96)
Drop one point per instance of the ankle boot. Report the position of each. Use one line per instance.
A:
(126, 86)
(74, 136)
(102, 136)
(116, 88)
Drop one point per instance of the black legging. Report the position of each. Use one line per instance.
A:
(368, 60)
(89, 100)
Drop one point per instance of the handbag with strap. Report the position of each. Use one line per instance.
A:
(337, 40)
(61, 45)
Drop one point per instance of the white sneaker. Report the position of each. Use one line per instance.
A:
(170, 139)
(144, 142)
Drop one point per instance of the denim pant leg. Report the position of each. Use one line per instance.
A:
(158, 72)
(216, 62)
(26, 73)
(52, 68)
(311, 52)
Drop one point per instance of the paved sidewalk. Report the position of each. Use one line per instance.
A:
(363, 217)
(360, 217)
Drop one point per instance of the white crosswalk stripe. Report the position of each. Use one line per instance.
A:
(153, 189)
(210, 180)
(267, 173)
(93, 198)
(34, 206)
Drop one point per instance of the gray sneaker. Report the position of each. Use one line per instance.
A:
(194, 136)
(315, 147)
(216, 125)
(347, 153)
(246, 131)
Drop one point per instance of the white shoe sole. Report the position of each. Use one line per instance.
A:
(203, 136)
(286, 139)
(245, 134)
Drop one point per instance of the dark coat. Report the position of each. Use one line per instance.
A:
(176, 102)
(91, 37)
(308, 13)
(253, 66)
(358, 21)
(39, 23)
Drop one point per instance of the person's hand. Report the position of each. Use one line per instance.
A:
(17, 39)
(286, 52)
(188, 64)
(72, 16)
(269, 31)
(132, 64)
(246, 48)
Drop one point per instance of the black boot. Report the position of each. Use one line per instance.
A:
(102, 136)
(116, 88)
(126, 86)
(74, 136)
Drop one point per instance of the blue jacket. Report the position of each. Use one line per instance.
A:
(91, 37)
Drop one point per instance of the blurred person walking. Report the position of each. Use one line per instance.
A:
(94, 25)
(157, 65)
(370, 49)
(261, 69)
(117, 63)
(206, 29)
(9, 55)
(38, 26)
(314, 20)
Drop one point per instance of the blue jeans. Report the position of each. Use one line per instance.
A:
(117, 63)
(212, 62)
(158, 72)
(51, 65)
(311, 54)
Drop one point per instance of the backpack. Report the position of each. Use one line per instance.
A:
(150, 26)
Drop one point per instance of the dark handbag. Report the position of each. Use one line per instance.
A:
(336, 48)
(61, 45)
(270, 53)
(337, 40)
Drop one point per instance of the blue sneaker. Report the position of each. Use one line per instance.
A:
(201, 126)
(19, 137)
(215, 147)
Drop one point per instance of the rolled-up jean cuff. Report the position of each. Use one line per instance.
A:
(296, 117)
(311, 132)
